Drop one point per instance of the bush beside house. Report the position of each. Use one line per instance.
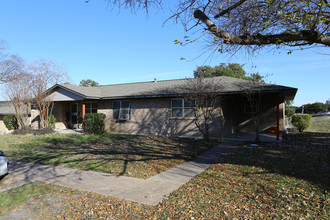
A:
(51, 121)
(10, 121)
(94, 123)
(301, 121)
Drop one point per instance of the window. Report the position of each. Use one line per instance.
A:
(182, 109)
(91, 107)
(121, 110)
(250, 107)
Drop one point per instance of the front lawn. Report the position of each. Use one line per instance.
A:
(319, 124)
(272, 181)
(129, 155)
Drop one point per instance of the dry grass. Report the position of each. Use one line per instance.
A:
(272, 181)
(129, 155)
(319, 124)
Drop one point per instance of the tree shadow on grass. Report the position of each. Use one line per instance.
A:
(138, 156)
(303, 155)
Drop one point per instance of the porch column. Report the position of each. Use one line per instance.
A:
(277, 118)
(83, 115)
(43, 112)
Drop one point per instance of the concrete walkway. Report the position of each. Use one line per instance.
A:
(241, 137)
(150, 191)
(68, 131)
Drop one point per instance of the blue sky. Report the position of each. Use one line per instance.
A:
(117, 46)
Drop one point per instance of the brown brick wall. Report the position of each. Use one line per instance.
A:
(153, 116)
(149, 116)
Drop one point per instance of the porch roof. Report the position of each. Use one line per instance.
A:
(169, 88)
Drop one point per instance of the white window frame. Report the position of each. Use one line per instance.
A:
(91, 107)
(121, 116)
(183, 108)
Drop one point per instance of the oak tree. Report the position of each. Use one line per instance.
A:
(234, 70)
(88, 83)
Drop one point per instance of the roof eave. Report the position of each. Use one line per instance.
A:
(68, 89)
(284, 91)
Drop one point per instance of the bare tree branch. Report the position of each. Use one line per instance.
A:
(259, 39)
(248, 24)
(230, 8)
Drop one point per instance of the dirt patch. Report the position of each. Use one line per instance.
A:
(21, 213)
(36, 207)
(6, 181)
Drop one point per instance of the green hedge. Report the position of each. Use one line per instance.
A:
(10, 121)
(301, 121)
(94, 123)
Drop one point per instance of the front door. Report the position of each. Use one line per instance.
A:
(74, 115)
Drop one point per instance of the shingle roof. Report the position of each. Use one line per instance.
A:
(170, 88)
(6, 108)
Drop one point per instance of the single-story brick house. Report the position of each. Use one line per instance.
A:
(156, 107)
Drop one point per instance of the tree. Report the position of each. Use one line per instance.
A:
(19, 93)
(88, 83)
(253, 24)
(256, 77)
(232, 69)
(313, 108)
(16, 80)
(44, 74)
(199, 93)
(289, 109)
(254, 96)
(27, 84)
(301, 121)
(11, 66)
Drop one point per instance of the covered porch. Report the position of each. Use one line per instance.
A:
(71, 106)
(71, 114)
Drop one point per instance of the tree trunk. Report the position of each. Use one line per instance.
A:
(257, 140)
(206, 134)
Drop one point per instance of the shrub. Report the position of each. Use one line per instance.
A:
(51, 121)
(10, 121)
(94, 123)
(301, 121)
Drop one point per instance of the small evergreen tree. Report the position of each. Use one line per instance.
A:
(51, 121)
